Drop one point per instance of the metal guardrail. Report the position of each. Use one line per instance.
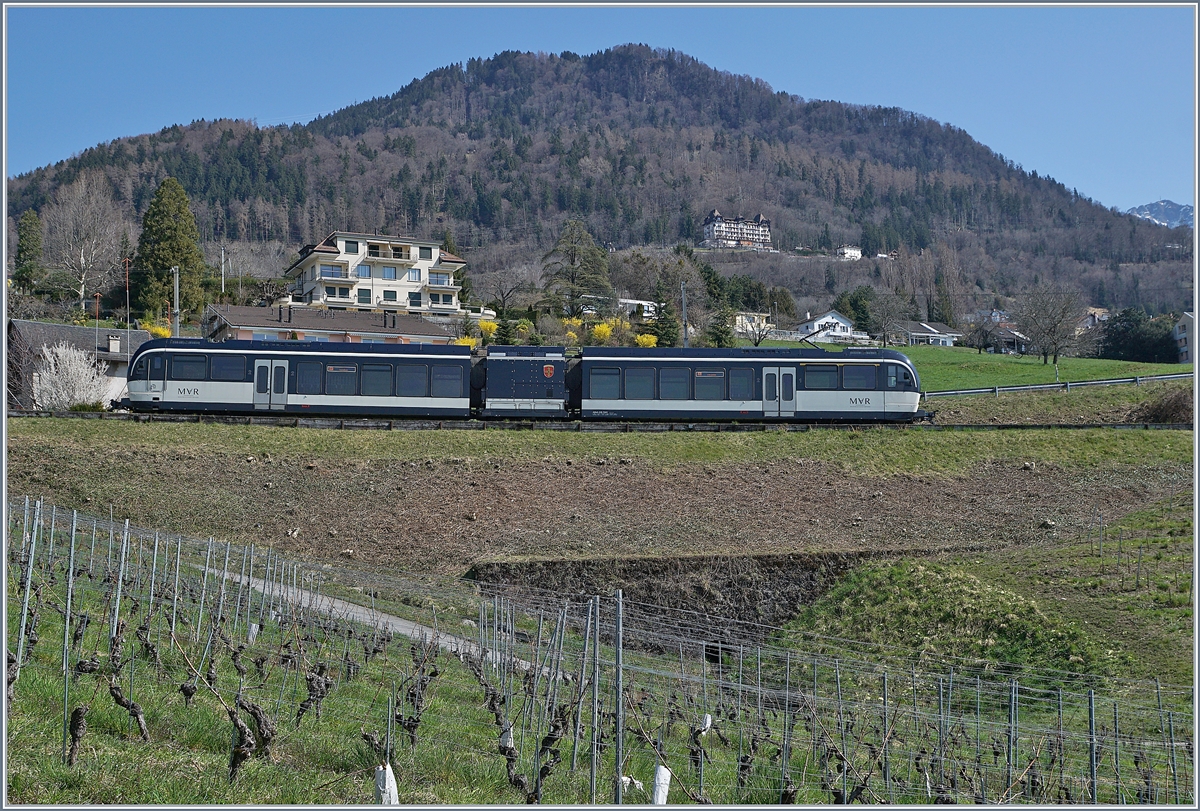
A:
(1066, 386)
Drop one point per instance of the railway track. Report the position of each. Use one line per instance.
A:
(591, 426)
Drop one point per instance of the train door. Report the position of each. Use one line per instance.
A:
(270, 384)
(157, 375)
(779, 391)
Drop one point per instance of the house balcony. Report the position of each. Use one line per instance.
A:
(441, 283)
(395, 255)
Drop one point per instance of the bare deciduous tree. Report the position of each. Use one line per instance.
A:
(755, 330)
(1049, 315)
(83, 234)
(509, 287)
(68, 377)
(887, 311)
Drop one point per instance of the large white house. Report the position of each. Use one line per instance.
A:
(373, 273)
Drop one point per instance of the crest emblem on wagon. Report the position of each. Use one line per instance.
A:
(548, 370)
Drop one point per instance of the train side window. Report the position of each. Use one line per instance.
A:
(377, 379)
(308, 377)
(639, 384)
(139, 370)
(605, 384)
(858, 377)
(820, 376)
(770, 387)
(412, 381)
(341, 379)
(189, 367)
(447, 381)
(710, 384)
(228, 367)
(789, 387)
(891, 376)
(741, 384)
(262, 384)
(156, 367)
(673, 384)
(280, 379)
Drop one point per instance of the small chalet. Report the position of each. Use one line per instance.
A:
(849, 253)
(224, 322)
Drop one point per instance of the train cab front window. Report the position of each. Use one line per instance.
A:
(899, 378)
(139, 370)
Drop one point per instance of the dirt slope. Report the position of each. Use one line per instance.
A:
(445, 516)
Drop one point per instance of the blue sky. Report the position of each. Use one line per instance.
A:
(1103, 99)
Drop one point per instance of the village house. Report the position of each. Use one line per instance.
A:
(224, 322)
(1182, 333)
(746, 323)
(830, 326)
(849, 253)
(112, 347)
(932, 333)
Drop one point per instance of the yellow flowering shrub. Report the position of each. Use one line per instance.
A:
(157, 331)
(466, 341)
(573, 323)
(488, 328)
(572, 338)
(602, 332)
(646, 341)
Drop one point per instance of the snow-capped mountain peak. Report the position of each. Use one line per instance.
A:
(1164, 212)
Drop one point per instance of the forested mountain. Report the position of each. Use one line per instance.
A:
(640, 144)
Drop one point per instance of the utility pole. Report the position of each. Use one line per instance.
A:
(683, 293)
(175, 323)
(96, 296)
(128, 316)
(222, 270)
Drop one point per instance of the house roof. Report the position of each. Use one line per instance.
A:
(36, 334)
(928, 328)
(318, 320)
(826, 314)
(329, 245)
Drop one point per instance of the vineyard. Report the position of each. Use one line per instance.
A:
(148, 667)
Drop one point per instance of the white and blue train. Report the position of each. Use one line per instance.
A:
(596, 383)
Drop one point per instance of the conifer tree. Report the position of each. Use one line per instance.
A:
(169, 238)
(28, 272)
(720, 330)
(576, 269)
(666, 325)
(506, 334)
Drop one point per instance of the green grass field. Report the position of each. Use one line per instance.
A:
(945, 368)
(949, 367)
